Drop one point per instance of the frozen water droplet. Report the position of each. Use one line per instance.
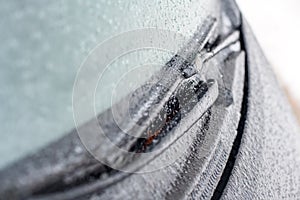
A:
(78, 150)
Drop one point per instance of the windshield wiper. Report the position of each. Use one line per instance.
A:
(180, 96)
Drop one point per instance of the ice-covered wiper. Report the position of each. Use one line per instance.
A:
(161, 111)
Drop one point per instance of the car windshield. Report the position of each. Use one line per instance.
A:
(44, 44)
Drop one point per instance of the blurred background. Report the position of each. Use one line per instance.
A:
(276, 25)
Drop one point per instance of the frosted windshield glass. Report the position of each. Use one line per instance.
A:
(43, 44)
